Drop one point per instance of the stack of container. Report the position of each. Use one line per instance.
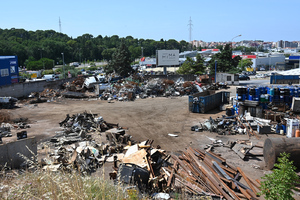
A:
(265, 95)
(241, 93)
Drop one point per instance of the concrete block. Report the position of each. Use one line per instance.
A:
(9, 152)
(295, 104)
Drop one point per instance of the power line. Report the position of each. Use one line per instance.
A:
(59, 25)
(190, 28)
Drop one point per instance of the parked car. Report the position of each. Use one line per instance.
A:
(244, 77)
(260, 76)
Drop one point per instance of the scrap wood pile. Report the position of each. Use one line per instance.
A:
(195, 172)
(206, 173)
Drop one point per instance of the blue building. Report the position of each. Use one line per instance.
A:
(9, 70)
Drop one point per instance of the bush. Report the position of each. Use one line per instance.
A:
(281, 182)
(47, 72)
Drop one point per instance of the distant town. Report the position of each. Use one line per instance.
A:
(285, 46)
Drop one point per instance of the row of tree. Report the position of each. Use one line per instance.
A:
(43, 49)
(223, 61)
(35, 45)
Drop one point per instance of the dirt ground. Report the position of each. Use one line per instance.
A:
(151, 118)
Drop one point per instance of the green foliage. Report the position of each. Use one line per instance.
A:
(32, 46)
(244, 63)
(47, 72)
(44, 63)
(64, 71)
(93, 68)
(279, 184)
(24, 75)
(225, 62)
(192, 67)
(246, 50)
(120, 62)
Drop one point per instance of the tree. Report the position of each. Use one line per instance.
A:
(225, 62)
(245, 63)
(192, 67)
(279, 184)
(120, 62)
(107, 54)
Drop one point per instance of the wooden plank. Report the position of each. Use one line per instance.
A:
(258, 181)
(257, 185)
(246, 179)
(251, 194)
(171, 175)
(245, 193)
(150, 167)
(220, 185)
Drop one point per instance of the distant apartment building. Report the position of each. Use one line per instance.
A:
(287, 44)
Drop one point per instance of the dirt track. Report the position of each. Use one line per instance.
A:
(151, 118)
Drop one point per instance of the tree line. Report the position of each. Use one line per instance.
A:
(45, 47)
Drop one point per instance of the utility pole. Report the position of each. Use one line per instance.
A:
(59, 25)
(190, 30)
(63, 64)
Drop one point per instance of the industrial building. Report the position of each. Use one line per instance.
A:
(9, 70)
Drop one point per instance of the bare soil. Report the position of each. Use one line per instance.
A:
(151, 118)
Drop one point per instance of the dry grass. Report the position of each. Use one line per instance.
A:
(59, 185)
(4, 117)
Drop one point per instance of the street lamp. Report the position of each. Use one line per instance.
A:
(63, 64)
(41, 50)
(233, 38)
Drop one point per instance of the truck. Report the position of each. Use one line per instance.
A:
(50, 77)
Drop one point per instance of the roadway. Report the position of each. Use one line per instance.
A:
(256, 81)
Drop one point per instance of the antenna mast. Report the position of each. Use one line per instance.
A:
(190, 28)
(59, 25)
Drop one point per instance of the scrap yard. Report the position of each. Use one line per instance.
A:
(161, 136)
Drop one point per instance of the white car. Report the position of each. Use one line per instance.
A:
(260, 76)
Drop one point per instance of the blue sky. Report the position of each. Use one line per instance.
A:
(213, 20)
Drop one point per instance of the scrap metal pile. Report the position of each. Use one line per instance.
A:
(195, 173)
(75, 148)
(15, 124)
(7, 102)
(121, 89)
(87, 143)
(232, 125)
(129, 89)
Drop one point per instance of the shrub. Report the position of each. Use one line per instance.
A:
(279, 184)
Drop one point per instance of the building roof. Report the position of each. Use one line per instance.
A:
(291, 72)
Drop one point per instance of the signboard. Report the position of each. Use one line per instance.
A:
(167, 57)
(34, 75)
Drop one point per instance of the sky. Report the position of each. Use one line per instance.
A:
(212, 20)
